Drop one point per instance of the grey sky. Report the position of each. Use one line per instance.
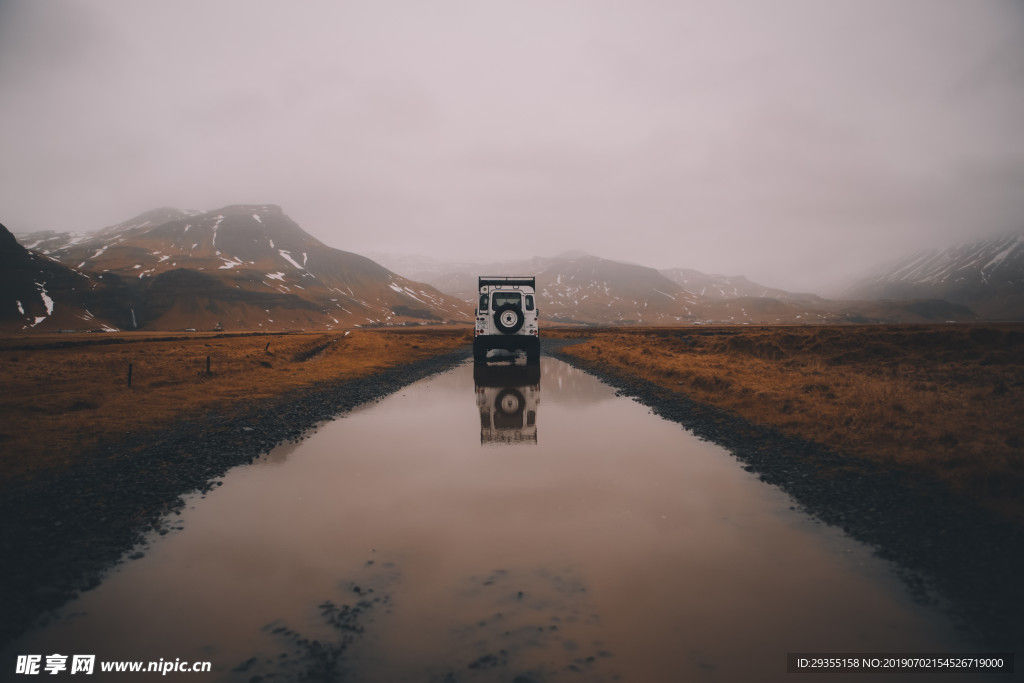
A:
(792, 141)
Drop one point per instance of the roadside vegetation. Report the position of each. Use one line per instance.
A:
(943, 401)
(66, 393)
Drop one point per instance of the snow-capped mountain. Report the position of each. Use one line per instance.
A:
(240, 267)
(252, 267)
(986, 275)
(38, 293)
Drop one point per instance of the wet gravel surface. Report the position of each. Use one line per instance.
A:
(947, 549)
(62, 531)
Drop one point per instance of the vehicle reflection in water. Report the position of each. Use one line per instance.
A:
(507, 396)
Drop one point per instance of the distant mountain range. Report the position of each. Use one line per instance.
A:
(250, 267)
(985, 275)
(580, 288)
(244, 267)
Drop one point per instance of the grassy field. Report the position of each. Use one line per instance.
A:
(64, 394)
(946, 401)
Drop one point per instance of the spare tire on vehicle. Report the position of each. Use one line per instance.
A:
(508, 319)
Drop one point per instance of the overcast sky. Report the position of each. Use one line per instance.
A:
(792, 141)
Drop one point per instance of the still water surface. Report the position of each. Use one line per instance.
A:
(499, 528)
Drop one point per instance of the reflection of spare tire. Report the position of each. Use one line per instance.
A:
(508, 319)
(508, 409)
(509, 401)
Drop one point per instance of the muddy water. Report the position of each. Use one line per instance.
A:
(496, 528)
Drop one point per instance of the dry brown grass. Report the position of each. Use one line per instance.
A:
(63, 394)
(946, 401)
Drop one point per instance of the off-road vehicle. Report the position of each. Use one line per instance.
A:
(506, 317)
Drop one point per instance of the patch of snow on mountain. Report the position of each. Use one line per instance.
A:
(257, 217)
(1001, 256)
(916, 263)
(408, 292)
(47, 301)
(20, 309)
(288, 257)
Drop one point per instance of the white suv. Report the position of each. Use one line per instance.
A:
(506, 317)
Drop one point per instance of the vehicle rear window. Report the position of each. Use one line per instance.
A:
(529, 302)
(483, 302)
(505, 298)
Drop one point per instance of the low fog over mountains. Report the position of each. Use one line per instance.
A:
(251, 267)
(986, 275)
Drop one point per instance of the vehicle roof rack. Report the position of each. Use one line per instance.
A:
(508, 282)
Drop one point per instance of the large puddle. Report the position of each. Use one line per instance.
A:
(520, 526)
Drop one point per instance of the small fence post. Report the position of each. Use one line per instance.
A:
(207, 365)
(129, 374)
